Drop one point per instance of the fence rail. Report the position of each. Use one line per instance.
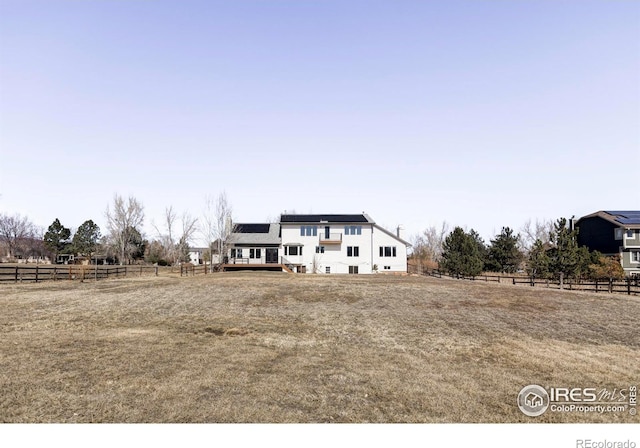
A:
(41, 273)
(630, 286)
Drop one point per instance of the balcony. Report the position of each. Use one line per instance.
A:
(333, 238)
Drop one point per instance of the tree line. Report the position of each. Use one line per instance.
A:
(123, 240)
(544, 250)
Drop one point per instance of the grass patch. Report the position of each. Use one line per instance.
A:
(270, 347)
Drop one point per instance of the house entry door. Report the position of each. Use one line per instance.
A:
(271, 255)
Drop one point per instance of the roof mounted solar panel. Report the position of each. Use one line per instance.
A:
(323, 218)
(630, 217)
(251, 228)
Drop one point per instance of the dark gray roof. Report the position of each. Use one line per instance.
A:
(622, 218)
(258, 237)
(324, 218)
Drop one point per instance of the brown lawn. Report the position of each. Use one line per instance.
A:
(269, 347)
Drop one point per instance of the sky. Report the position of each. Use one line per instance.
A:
(483, 114)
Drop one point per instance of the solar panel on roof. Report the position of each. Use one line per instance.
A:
(320, 218)
(626, 216)
(251, 228)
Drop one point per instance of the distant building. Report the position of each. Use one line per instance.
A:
(322, 244)
(613, 233)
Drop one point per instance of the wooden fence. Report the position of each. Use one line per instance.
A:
(188, 270)
(41, 273)
(629, 286)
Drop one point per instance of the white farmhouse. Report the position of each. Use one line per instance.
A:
(323, 244)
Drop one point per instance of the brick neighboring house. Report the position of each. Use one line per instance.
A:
(613, 233)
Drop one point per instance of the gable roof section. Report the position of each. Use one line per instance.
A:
(629, 219)
(257, 234)
(406, 243)
(291, 219)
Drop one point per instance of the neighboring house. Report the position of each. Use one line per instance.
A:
(613, 233)
(197, 254)
(324, 244)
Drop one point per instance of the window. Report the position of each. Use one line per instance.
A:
(618, 233)
(353, 269)
(319, 249)
(255, 253)
(353, 230)
(239, 253)
(293, 250)
(233, 253)
(353, 251)
(327, 270)
(308, 231)
(635, 256)
(629, 233)
(388, 251)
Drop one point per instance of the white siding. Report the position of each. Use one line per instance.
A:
(335, 256)
(397, 263)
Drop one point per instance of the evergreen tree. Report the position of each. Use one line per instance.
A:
(461, 254)
(565, 255)
(504, 255)
(135, 244)
(85, 241)
(483, 251)
(57, 238)
(538, 262)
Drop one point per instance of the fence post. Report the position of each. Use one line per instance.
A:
(36, 273)
(628, 286)
(513, 279)
(16, 274)
(596, 285)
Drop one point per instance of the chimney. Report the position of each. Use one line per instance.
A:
(399, 231)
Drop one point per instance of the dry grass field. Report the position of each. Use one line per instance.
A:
(270, 347)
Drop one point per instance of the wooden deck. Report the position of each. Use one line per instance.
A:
(256, 267)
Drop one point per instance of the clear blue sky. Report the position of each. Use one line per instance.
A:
(483, 114)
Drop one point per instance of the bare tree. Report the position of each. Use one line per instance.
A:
(176, 244)
(123, 223)
(217, 224)
(530, 232)
(208, 225)
(17, 233)
(427, 246)
(433, 239)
